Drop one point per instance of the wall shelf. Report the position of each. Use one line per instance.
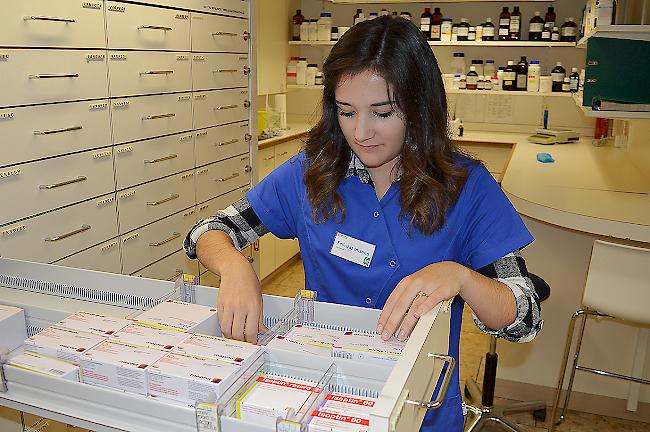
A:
(465, 43)
(624, 115)
(634, 32)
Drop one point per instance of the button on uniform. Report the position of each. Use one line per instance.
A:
(376, 214)
(392, 263)
(368, 300)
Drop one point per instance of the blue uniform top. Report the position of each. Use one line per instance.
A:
(480, 228)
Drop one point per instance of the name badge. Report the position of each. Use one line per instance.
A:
(353, 250)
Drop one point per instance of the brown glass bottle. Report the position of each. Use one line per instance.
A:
(295, 26)
(569, 31)
(504, 24)
(488, 30)
(515, 24)
(536, 28)
(425, 23)
(436, 21)
(550, 16)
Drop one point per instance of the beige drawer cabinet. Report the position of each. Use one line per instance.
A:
(221, 177)
(236, 8)
(42, 131)
(211, 207)
(53, 24)
(103, 257)
(214, 33)
(170, 267)
(219, 70)
(217, 107)
(221, 142)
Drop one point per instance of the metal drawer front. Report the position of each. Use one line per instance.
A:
(236, 8)
(40, 76)
(155, 241)
(104, 257)
(52, 236)
(150, 116)
(211, 207)
(133, 26)
(42, 131)
(169, 268)
(147, 160)
(151, 72)
(149, 202)
(221, 142)
(221, 177)
(217, 107)
(219, 71)
(36, 187)
(213, 33)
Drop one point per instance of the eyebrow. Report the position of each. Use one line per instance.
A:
(378, 104)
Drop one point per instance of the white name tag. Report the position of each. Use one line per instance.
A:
(353, 250)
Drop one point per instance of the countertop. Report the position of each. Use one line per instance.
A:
(294, 130)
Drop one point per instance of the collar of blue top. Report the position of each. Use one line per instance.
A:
(357, 168)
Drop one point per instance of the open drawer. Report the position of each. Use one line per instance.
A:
(49, 293)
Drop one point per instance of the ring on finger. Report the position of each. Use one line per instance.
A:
(423, 294)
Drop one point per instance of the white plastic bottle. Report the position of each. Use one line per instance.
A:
(310, 75)
(534, 71)
(313, 30)
(304, 30)
(325, 26)
(301, 71)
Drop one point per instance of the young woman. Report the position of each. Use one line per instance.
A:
(388, 213)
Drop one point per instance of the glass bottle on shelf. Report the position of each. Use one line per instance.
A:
(510, 77)
(522, 74)
(574, 80)
(358, 17)
(515, 24)
(384, 12)
(550, 16)
(297, 20)
(504, 24)
(536, 27)
(569, 31)
(558, 74)
(555, 35)
(458, 63)
(546, 33)
(463, 29)
(425, 23)
(489, 69)
(436, 22)
(454, 32)
(471, 36)
(472, 79)
(488, 30)
(445, 30)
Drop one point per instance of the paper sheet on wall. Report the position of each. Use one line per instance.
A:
(499, 109)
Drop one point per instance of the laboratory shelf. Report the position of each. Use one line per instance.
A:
(428, 1)
(629, 31)
(624, 115)
(541, 44)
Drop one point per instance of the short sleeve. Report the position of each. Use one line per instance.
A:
(492, 227)
(277, 199)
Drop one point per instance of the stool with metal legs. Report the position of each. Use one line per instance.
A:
(618, 286)
(487, 412)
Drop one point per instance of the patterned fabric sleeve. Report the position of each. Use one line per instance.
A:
(511, 271)
(238, 220)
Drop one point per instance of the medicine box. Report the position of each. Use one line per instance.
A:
(348, 404)
(189, 379)
(119, 365)
(272, 396)
(41, 364)
(94, 323)
(228, 350)
(151, 336)
(183, 316)
(13, 329)
(307, 339)
(62, 343)
(368, 347)
(326, 421)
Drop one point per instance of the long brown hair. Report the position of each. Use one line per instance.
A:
(431, 179)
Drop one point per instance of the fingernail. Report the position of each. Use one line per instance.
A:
(401, 336)
(380, 328)
(385, 336)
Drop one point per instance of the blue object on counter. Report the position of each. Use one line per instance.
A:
(545, 158)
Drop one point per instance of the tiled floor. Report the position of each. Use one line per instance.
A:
(473, 346)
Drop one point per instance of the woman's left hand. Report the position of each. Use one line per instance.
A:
(417, 294)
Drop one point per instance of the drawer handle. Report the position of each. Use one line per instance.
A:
(153, 27)
(248, 168)
(224, 70)
(64, 183)
(228, 178)
(232, 141)
(225, 107)
(224, 34)
(269, 158)
(164, 158)
(53, 131)
(47, 18)
(164, 200)
(178, 274)
(246, 35)
(83, 228)
(445, 384)
(43, 76)
(247, 70)
(157, 72)
(159, 116)
(283, 153)
(174, 236)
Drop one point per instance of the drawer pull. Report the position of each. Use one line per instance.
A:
(283, 153)
(224, 70)
(153, 27)
(247, 104)
(53, 131)
(64, 183)
(174, 236)
(48, 18)
(246, 35)
(157, 72)
(247, 70)
(164, 200)
(224, 34)
(228, 178)
(178, 274)
(83, 228)
(159, 116)
(164, 158)
(225, 107)
(269, 158)
(443, 389)
(225, 143)
(43, 76)
(248, 168)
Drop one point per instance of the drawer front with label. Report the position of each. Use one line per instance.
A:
(40, 186)
(42, 131)
(155, 241)
(217, 107)
(149, 202)
(133, 26)
(169, 268)
(104, 257)
(221, 142)
(236, 8)
(148, 72)
(211, 207)
(150, 116)
(219, 71)
(41, 76)
(221, 177)
(213, 33)
(147, 160)
(54, 235)
(53, 24)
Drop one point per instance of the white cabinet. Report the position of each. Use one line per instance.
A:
(272, 49)
(219, 70)
(221, 142)
(221, 177)
(103, 257)
(169, 268)
(213, 33)
(217, 107)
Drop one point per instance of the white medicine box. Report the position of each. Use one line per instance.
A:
(184, 316)
(13, 330)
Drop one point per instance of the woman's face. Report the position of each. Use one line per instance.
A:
(372, 127)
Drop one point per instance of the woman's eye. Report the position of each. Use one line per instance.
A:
(385, 114)
(346, 113)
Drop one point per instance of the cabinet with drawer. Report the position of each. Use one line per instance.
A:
(103, 257)
(57, 234)
(236, 8)
(36, 187)
(147, 160)
(214, 33)
(221, 142)
(42, 131)
(41, 76)
(219, 70)
(217, 107)
(132, 26)
(170, 267)
(148, 72)
(221, 177)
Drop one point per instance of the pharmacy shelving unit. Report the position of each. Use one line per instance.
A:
(622, 115)
(49, 293)
(465, 43)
